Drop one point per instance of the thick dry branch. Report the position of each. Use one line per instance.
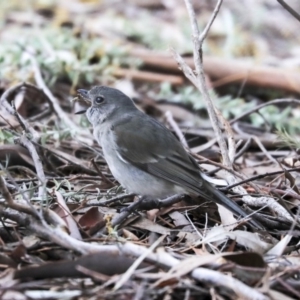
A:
(226, 71)
(214, 278)
(145, 76)
(200, 274)
(161, 258)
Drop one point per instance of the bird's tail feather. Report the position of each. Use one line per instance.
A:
(222, 199)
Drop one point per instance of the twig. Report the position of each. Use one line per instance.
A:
(18, 117)
(23, 140)
(23, 217)
(257, 108)
(22, 192)
(203, 147)
(186, 69)
(285, 284)
(264, 202)
(56, 107)
(284, 193)
(176, 128)
(264, 150)
(243, 149)
(11, 203)
(210, 22)
(137, 262)
(257, 141)
(256, 202)
(200, 79)
(66, 158)
(142, 204)
(220, 166)
(110, 201)
(230, 137)
(214, 163)
(103, 177)
(260, 176)
(53, 234)
(6, 101)
(41, 115)
(289, 9)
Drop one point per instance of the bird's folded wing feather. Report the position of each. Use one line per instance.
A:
(154, 149)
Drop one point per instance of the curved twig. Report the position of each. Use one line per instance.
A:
(257, 108)
(6, 101)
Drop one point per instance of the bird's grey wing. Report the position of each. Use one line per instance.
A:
(154, 149)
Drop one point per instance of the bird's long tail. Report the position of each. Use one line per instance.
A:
(222, 199)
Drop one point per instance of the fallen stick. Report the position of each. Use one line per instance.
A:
(225, 71)
(150, 77)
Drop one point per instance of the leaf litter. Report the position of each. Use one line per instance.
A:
(70, 237)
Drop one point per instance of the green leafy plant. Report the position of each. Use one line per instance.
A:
(275, 117)
(75, 58)
(6, 137)
(286, 139)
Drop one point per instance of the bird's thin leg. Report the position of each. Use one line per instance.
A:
(147, 203)
(144, 203)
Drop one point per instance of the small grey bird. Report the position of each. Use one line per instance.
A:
(142, 154)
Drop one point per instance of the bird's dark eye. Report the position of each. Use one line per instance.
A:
(99, 99)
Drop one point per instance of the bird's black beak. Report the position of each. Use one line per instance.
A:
(80, 112)
(83, 94)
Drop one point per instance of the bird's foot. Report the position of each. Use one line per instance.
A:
(144, 203)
